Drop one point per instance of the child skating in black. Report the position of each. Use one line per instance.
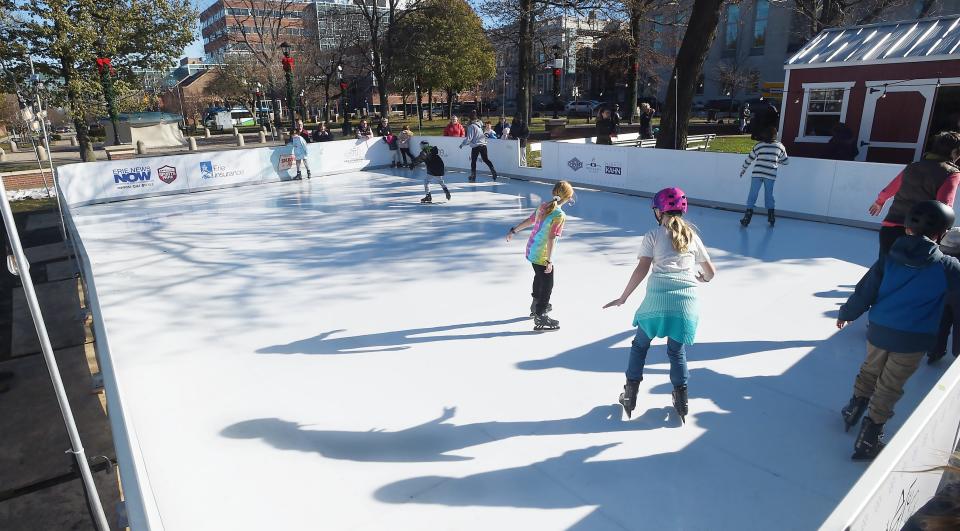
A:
(430, 155)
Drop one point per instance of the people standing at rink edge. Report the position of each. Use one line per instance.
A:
(403, 142)
(547, 222)
(678, 261)
(904, 292)
(936, 176)
(478, 147)
(766, 156)
(454, 128)
(363, 130)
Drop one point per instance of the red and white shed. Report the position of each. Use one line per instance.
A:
(893, 84)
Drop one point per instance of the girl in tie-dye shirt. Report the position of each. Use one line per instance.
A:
(547, 222)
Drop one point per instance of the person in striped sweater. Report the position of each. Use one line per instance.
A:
(766, 156)
(678, 261)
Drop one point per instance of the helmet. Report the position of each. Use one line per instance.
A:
(670, 200)
(930, 218)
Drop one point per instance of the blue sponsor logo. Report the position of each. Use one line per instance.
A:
(209, 170)
(613, 170)
(575, 164)
(131, 175)
(206, 169)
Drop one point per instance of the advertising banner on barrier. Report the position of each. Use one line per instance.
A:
(603, 165)
(219, 169)
(122, 179)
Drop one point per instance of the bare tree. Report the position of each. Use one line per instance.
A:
(259, 33)
(821, 14)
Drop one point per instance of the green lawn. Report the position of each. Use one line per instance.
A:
(732, 144)
(31, 205)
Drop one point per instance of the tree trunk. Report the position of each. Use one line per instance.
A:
(449, 103)
(76, 109)
(430, 103)
(419, 110)
(383, 91)
(633, 70)
(524, 63)
(701, 30)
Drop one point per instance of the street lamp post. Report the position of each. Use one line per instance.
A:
(503, 101)
(287, 62)
(105, 69)
(557, 71)
(345, 101)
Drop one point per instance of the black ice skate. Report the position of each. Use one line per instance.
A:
(427, 199)
(853, 411)
(472, 178)
(494, 175)
(299, 177)
(869, 442)
(544, 322)
(308, 174)
(680, 402)
(747, 216)
(628, 398)
(446, 192)
(771, 217)
(533, 308)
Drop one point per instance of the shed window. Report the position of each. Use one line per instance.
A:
(824, 109)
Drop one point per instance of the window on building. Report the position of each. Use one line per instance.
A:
(732, 29)
(761, 8)
(824, 110)
(658, 33)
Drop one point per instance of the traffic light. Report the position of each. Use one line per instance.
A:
(556, 82)
(343, 86)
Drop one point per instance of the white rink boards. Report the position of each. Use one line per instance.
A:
(331, 354)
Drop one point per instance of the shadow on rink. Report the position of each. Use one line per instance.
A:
(389, 341)
(433, 440)
(755, 466)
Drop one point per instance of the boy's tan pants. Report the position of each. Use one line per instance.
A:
(882, 377)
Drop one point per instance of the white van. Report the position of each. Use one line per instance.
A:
(224, 119)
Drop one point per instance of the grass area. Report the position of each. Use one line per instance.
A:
(732, 144)
(19, 166)
(33, 205)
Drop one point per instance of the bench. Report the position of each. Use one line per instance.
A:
(121, 152)
(699, 142)
(637, 142)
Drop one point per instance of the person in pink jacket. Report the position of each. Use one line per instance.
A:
(454, 128)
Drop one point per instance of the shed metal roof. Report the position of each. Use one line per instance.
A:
(927, 39)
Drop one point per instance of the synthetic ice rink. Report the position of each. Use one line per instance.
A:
(330, 354)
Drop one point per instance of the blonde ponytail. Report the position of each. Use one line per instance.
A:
(562, 191)
(681, 232)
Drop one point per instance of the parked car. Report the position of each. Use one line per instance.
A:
(581, 107)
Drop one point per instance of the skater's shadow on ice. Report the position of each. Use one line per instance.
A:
(391, 341)
(606, 356)
(430, 441)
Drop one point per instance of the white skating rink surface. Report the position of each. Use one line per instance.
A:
(333, 355)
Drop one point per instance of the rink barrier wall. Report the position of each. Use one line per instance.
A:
(892, 489)
(141, 509)
(811, 188)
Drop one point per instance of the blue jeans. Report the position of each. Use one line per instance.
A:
(767, 184)
(675, 351)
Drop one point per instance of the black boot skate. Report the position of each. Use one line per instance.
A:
(680, 402)
(299, 177)
(446, 192)
(533, 308)
(628, 398)
(747, 216)
(771, 216)
(494, 175)
(427, 199)
(869, 442)
(853, 411)
(308, 174)
(544, 322)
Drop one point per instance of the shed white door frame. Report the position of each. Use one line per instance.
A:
(926, 87)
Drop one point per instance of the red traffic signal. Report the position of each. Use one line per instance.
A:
(556, 72)
(343, 85)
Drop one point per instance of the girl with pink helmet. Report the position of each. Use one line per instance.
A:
(677, 260)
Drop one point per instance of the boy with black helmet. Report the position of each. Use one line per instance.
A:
(430, 155)
(904, 292)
